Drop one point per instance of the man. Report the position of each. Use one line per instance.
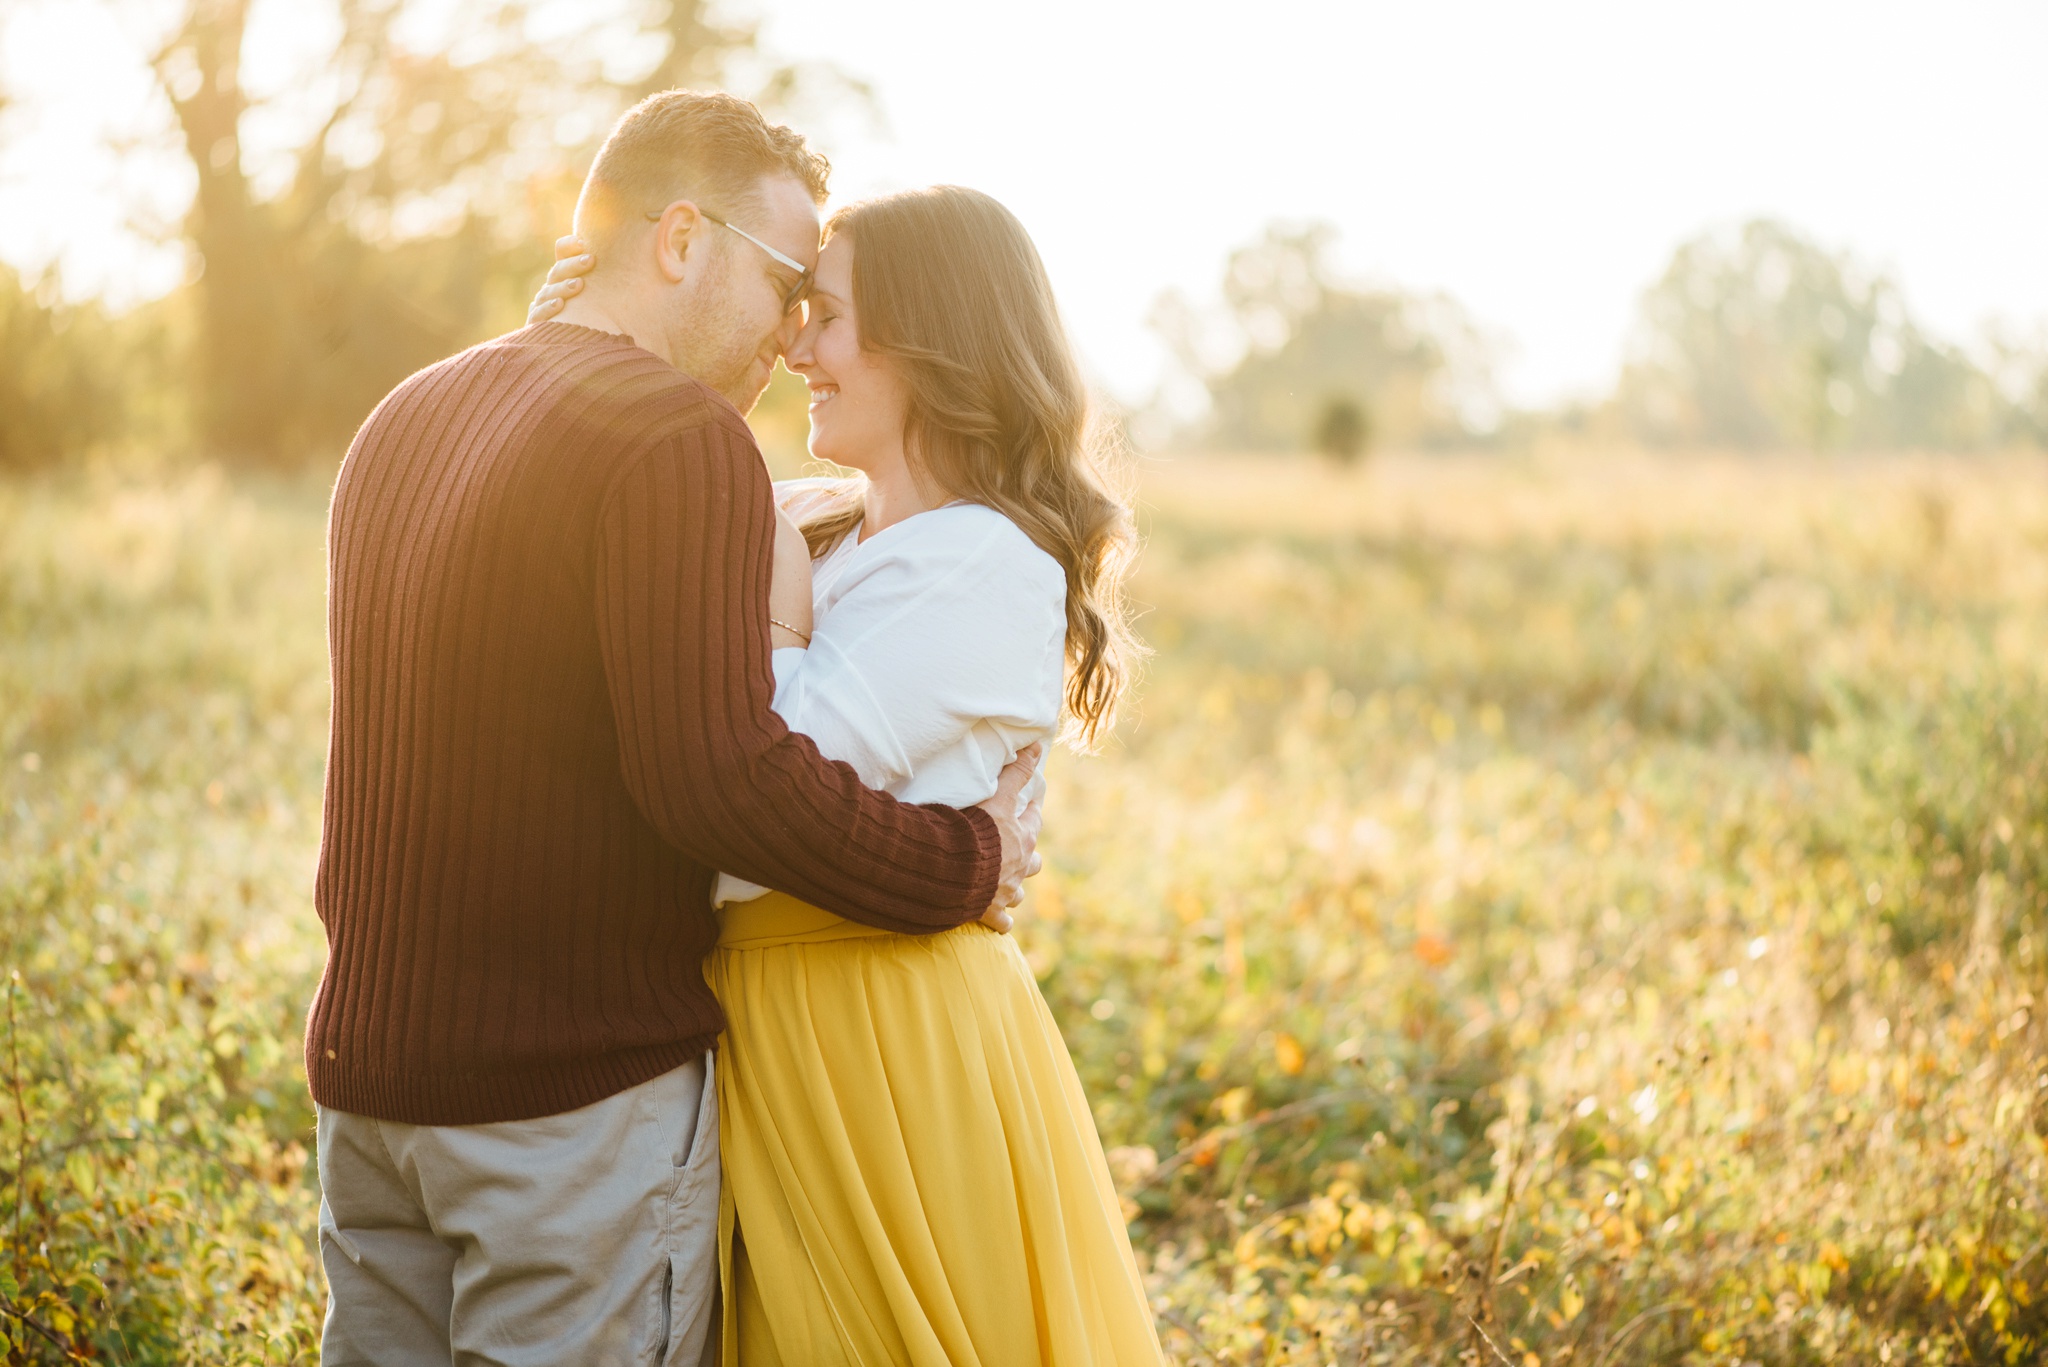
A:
(549, 629)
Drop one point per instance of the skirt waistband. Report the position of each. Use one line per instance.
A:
(776, 918)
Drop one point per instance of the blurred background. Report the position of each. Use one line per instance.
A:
(228, 226)
(1571, 886)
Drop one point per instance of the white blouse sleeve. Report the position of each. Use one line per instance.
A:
(951, 632)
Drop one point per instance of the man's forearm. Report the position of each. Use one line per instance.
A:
(682, 614)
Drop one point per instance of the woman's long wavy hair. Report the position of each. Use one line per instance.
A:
(948, 286)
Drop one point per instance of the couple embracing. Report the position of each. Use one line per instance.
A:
(673, 818)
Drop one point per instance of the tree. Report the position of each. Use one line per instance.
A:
(1761, 338)
(2019, 367)
(1307, 343)
(55, 395)
(414, 217)
(1344, 430)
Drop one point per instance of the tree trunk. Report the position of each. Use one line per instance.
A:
(238, 404)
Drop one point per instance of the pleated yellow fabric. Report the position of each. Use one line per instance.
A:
(912, 1174)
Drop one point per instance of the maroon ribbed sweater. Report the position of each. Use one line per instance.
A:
(548, 567)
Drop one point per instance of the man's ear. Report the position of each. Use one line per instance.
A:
(682, 228)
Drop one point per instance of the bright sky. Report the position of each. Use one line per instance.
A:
(1538, 161)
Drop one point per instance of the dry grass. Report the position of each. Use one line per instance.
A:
(1577, 908)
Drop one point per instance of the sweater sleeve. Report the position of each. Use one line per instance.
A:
(685, 545)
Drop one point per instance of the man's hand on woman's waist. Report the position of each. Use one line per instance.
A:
(1017, 822)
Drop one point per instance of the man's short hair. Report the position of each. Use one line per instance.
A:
(689, 144)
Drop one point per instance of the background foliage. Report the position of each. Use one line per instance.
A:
(439, 152)
(1299, 344)
(1755, 339)
(1762, 340)
(398, 204)
(1576, 910)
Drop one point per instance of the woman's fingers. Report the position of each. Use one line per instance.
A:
(549, 299)
(571, 267)
(573, 260)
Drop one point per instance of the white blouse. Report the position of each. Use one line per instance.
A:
(937, 653)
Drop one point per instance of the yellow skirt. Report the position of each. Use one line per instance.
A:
(912, 1175)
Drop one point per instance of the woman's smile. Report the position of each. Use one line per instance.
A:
(869, 404)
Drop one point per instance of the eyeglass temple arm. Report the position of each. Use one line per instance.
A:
(654, 216)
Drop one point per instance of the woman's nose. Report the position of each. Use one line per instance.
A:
(797, 355)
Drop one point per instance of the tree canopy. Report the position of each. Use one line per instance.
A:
(440, 148)
(1301, 343)
(1760, 338)
(1755, 338)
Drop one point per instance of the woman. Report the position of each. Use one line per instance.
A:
(912, 1172)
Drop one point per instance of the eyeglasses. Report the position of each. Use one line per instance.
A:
(791, 296)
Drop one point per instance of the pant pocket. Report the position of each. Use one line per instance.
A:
(664, 1315)
(693, 1306)
(332, 1237)
(344, 1243)
(697, 1148)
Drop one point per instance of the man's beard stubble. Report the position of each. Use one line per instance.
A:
(725, 361)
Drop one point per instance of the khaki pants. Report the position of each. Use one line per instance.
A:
(589, 1238)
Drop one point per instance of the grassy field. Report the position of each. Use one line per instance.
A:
(1574, 909)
